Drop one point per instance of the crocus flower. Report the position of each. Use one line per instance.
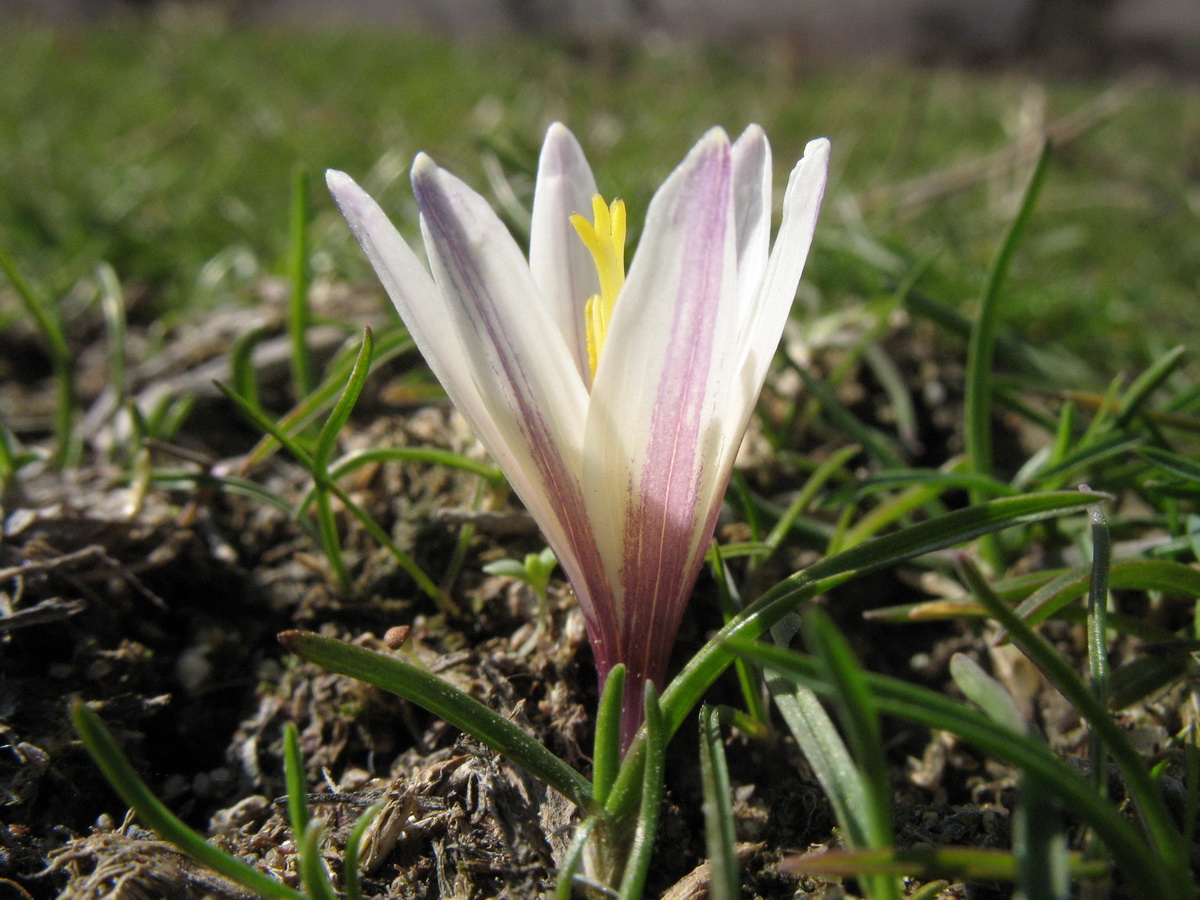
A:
(614, 404)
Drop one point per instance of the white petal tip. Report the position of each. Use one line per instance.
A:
(337, 181)
(818, 148)
(423, 166)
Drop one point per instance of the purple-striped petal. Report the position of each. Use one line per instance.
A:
(538, 401)
(652, 427)
(562, 267)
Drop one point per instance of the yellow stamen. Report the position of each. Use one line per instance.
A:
(605, 239)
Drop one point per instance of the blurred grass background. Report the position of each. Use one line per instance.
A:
(168, 153)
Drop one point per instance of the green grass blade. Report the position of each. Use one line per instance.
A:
(1097, 631)
(331, 540)
(1145, 867)
(981, 349)
(355, 460)
(945, 531)
(957, 863)
(860, 721)
(1040, 845)
(163, 822)
(407, 563)
(749, 680)
(859, 718)
(243, 376)
(1146, 795)
(388, 345)
(297, 788)
(327, 440)
(1183, 466)
(564, 885)
(826, 753)
(260, 420)
(874, 442)
(1146, 384)
(987, 693)
(112, 308)
(638, 865)
(299, 316)
(718, 810)
(445, 701)
(313, 873)
(351, 867)
(606, 756)
(49, 322)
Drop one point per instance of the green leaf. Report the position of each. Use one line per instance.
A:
(718, 810)
(638, 865)
(299, 314)
(445, 701)
(1151, 875)
(297, 787)
(351, 876)
(606, 755)
(327, 440)
(154, 815)
(956, 863)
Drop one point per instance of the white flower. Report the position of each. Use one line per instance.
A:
(623, 466)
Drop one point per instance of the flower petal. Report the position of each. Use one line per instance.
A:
(526, 377)
(562, 267)
(752, 203)
(524, 450)
(776, 291)
(652, 425)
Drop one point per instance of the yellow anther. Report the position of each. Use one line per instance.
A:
(605, 239)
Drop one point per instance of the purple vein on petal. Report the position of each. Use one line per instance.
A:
(661, 555)
(555, 478)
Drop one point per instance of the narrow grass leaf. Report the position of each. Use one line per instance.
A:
(1097, 631)
(877, 444)
(351, 866)
(977, 401)
(1169, 577)
(564, 884)
(957, 863)
(826, 753)
(860, 722)
(388, 345)
(1152, 877)
(327, 439)
(987, 693)
(718, 810)
(297, 787)
(112, 308)
(939, 533)
(444, 701)
(1146, 384)
(859, 717)
(162, 821)
(1145, 793)
(944, 481)
(313, 872)
(606, 755)
(299, 315)
(749, 680)
(1183, 466)
(637, 867)
(49, 322)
